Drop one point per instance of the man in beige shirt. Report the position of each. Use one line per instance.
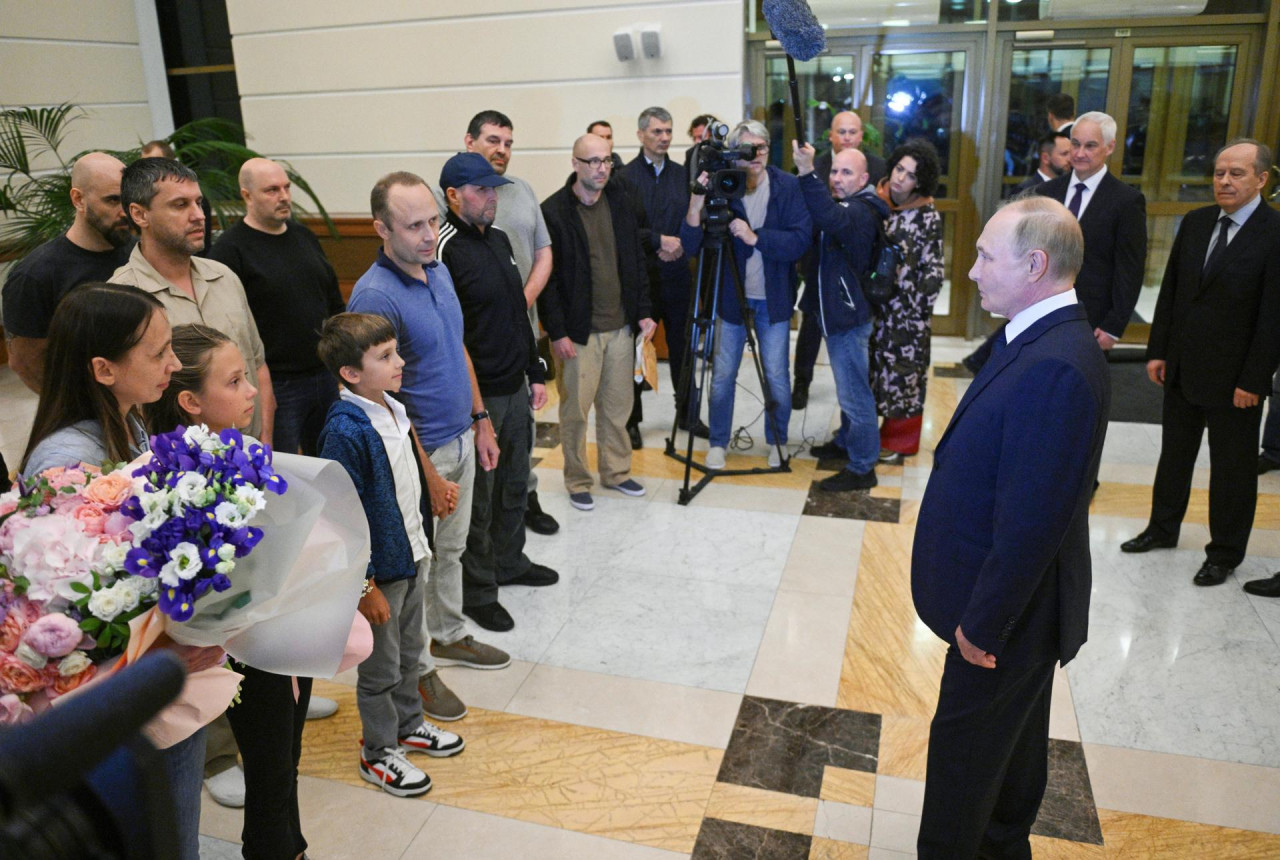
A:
(162, 200)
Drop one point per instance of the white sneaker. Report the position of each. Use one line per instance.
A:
(392, 772)
(775, 459)
(432, 740)
(715, 458)
(319, 707)
(227, 788)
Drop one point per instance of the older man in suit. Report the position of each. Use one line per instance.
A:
(1000, 569)
(1214, 347)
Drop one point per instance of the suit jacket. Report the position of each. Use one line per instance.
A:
(1002, 540)
(1115, 249)
(1032, 181)
(1221, 330)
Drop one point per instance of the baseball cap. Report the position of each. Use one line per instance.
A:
(470, 168)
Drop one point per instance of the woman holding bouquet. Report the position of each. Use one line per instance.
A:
(109, 353)
(214, 388)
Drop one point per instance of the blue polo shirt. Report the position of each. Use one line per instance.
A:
(435, 389)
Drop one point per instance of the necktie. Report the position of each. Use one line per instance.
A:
(1074, 205)
(1219, 245)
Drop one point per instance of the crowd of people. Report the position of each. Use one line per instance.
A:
(424, 383)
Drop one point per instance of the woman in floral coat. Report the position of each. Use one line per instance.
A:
(900, 339)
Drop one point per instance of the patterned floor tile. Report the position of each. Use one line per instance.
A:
(728, 840)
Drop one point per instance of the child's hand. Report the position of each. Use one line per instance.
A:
(444, 495)
(374, 608)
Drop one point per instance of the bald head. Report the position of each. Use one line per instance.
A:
(591, 163)
(267, 194)
(846, 131)
(95, 193)
(848, 173)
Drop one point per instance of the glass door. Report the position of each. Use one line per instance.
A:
(827, 86)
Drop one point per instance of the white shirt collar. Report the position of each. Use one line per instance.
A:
(1246, 211)
(1027, 317)
(660, 166)
(1090, 184)
(391, 425)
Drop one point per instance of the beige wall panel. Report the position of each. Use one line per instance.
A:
(254, 16)
(696, 40)
(436, 120)
(87, 20)
(85, 74)
(106, 127)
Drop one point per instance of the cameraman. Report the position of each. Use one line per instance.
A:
(845, 210)
(771, 230)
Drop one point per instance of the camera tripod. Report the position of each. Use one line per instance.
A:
(700, 349)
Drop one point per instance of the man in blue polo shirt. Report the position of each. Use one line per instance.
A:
(408, 287)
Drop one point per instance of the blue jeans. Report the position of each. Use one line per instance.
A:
(774, 342)
(859, 431)
(302, 403)
(184, 762)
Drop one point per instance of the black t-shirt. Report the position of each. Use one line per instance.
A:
(291, 288)
(38, 281)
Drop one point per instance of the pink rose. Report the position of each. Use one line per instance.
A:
(53, 636)
(109, 491)
(13, 710)
(116, 528)
(59, 477)
(8, 506)
(58, 685)
(91, 518)
(18, 677)
(11, 630)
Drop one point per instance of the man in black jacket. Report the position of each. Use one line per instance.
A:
(1213, 348)
(504, 353)
(595, 302)
(665, 196)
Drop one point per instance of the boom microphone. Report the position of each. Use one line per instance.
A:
(802, 37)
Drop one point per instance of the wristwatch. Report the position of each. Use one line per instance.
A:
(479, 416)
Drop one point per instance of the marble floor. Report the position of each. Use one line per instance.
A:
(745, 677)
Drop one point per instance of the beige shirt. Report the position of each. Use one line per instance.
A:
(220, 303)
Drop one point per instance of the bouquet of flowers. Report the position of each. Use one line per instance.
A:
(198, 494)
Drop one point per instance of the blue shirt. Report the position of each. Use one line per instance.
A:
(436, 388)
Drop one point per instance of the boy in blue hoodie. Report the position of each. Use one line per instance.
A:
(369, 434)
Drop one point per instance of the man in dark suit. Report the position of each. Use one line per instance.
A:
(1214, 348)
(1055, 160)
(1000, 567)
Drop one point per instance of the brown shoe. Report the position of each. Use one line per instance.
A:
(470, 653)
(438, 701)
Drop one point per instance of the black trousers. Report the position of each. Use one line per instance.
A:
(268, 727)
(1233, 473)
(808, 342)
(988, 760)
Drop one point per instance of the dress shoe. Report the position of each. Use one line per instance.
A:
(700, 428)
(1212, 574)
(799, 395)
(537, 520)
(491, 616)
(845, 481)
(1146, 542)
(829, 451)
(633, 433)
(1269, 587)
(1266, 464)
(536, 575)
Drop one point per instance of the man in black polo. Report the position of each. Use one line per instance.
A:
(662, 189)
(292, 290)
(502, 349)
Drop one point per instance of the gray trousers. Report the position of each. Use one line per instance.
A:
(454, 461)
(495, 543)
(387, 682)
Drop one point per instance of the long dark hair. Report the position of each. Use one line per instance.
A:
(94, 320)
(194, 345)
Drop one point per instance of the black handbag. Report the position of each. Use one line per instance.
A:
(880, 281)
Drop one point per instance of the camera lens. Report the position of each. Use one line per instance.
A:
(727, 182)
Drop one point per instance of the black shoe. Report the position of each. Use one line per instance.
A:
(537, 520)
(1212, 574)
(1146, 542)
(800, 395)
(700, 429)
(1269, 587)
(491, 616)
(890, 458)
(829, 451)
(633, 432)
(536, 575)
(844, 481)
(1266, 464)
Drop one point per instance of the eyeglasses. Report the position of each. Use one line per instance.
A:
(594, 163)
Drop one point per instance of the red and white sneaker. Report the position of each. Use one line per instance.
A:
(392, 771)
(432, 740)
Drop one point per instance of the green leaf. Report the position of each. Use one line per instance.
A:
(81, 588)
(91, 625)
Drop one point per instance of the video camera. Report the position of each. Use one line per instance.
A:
(715, 158)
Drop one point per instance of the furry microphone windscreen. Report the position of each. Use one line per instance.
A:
(794, 25)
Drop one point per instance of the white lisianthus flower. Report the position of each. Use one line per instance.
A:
(113, 555)
(227, 552)
(149, 523)
(250, 499)
(191, 488)
(145, 586)
(228, 514)
(74, 663)
(106, 604)
(184, 562)
(225, 567)
(30, 656)
(154, 501)
(196, 434)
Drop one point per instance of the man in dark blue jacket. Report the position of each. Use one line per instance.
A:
(1000, 569)
(844, 210)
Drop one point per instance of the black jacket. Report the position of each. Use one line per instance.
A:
(564, 307)
(496, 327)
(666, 201)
